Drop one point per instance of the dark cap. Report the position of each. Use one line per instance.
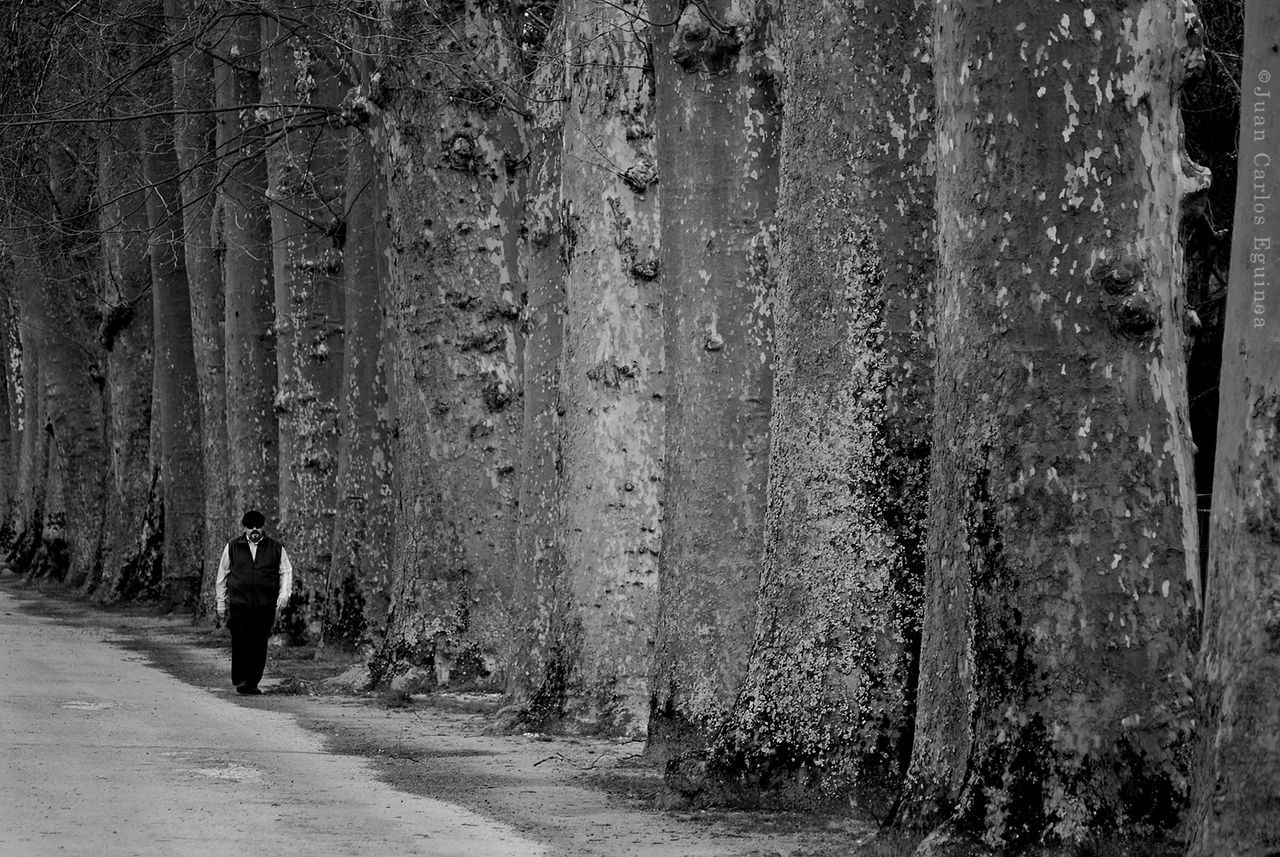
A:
(253, 518)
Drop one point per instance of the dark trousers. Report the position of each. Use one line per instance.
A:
(250, 626)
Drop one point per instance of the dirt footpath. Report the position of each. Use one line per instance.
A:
(581, 796)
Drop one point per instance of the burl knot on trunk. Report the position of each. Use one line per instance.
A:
(703, 44)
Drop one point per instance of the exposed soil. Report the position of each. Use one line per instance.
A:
(582, 796)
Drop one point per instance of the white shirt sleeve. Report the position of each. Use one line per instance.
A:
(286, 579)
(220, 587)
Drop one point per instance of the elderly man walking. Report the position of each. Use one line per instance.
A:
(255, 579)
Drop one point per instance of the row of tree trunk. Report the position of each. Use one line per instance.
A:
(801, 386)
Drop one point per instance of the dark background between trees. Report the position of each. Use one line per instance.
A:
(826, 391)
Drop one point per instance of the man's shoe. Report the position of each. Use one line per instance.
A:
(248, 689)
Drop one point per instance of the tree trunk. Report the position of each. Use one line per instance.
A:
(447, 147)
(717, 122)
(125, 333)
(59, 251)
(613, 383)
(363, 531)
(194, 132)
(32, 450)
(47, 209)
(178, 401)
(1236, 792)
(828, 699)
(536, 684)
(305, 172)
(73, 394)
(69, 460)
(10, 406)
(245, 230)
(1060, 607)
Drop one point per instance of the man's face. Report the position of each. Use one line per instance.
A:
(253, 534)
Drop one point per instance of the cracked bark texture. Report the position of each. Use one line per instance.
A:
(717, 121)
(447, 140)
(1061, 604)
(828, 701)
(305, 170)
(1236, 796)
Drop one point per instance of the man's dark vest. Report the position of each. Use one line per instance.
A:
(253, 581)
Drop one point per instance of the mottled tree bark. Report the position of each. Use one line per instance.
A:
(363, 531)
(245, 231)
(47, 210)
(58, 256)
(447, 147)
(194, 133)
(75, 422)
(32, 448)
(10, 405)
(305, 170)
(717, 123)
(178, 401)
(613, 383)
(1236, 793)
(828, 699)
(536, 681)
(125, 333)
(1060, 608)
(68, 460)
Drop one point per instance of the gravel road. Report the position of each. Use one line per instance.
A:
(104, 755)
